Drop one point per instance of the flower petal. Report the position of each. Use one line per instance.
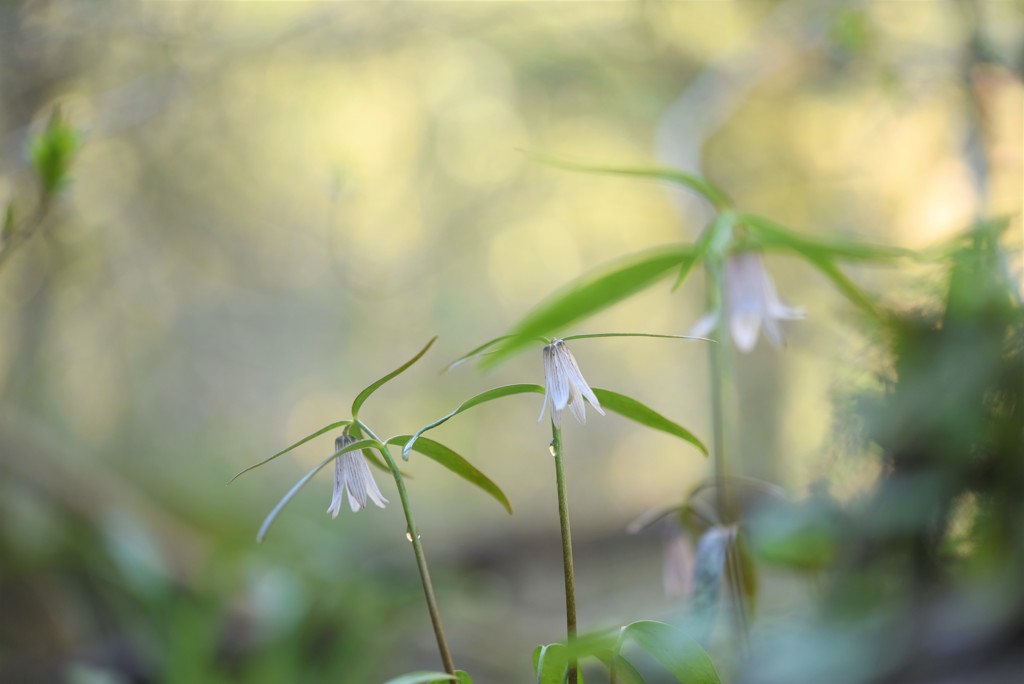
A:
(339, 487)
(743, 327)
(706, 325)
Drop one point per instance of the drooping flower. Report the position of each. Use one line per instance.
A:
(352, 472)
(564, 385)
(750, 303)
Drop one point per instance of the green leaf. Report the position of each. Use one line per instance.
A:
(634, 410)
(462, 677)
(52, 152)
(845, 286)
(361, 444)
(624, 671)
(716, 196)
(423, 678)
(455, 463)
(332, 426)
(365, 394)
(676, 652)
(475, 352)
(587, 336)
(772, 235)
(714, 238)
(481, 398)
(592, 293)
(550, 663)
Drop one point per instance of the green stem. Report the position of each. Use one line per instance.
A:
(717, 364)
(718, 360)
(421, 561)
(570, 575)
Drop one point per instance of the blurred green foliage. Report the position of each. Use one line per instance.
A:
(271, 203)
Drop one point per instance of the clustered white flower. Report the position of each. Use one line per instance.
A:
(750, 303)
(564, 385)
(352, 472)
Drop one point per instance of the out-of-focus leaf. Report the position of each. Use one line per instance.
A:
(634, 410)
(713, 239)
(677, 653)
(592, 293)
(297, 487)
(8, 225)
(455, 463)
(744, 572)
(51, 153)
(332, 426)
(774, 235)
(845, 286)
(422, 678)
(621, 671)
(713, 194)
(365, 394)
(483, 397)
(462, 677)
(588, 336)
(550, 663)
(482, 349)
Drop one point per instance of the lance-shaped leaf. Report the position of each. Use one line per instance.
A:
(483, 397)
(361, 444)
(328, 428)
(482, 349)
(774, 235)
(713, 194)
(422, 678)
(846, 287)
(592, 293)
(457, 464)
(634, 410)
(365, 394)
(674, 650)
(713, 239)
(588, 336)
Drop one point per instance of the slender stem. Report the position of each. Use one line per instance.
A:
(421, 563)
(716, 361)
(570, 575)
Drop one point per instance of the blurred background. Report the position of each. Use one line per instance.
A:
(275, 204)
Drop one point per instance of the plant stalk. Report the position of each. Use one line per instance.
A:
(570, 575)
(421, 563)
(717, 368)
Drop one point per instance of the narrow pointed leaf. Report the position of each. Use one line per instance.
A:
(846, 286)
(592, 293)
(587, 336)
(422, 678)
(365, 394)
(705, 189)
(771, 234)
(482, 349)
(457, 464)
(332, 426)
(675, 651)
(634, 410)
(712, 239)
(297, 487)
(483, 397)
